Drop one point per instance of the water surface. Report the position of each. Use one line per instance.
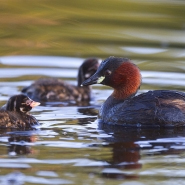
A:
(51, 39)
(70, 147)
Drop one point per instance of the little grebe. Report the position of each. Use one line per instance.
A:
(53, 89)
(14, 114)
(164, 108)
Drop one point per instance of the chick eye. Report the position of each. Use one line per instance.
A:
(27, 102)
(107, 72)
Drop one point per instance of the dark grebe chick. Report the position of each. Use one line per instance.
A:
(52, 89)
(14, 114)
(163, 108)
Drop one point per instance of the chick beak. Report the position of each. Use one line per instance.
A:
(34, 104)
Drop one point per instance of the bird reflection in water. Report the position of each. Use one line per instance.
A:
(126, 148)
(21, 144)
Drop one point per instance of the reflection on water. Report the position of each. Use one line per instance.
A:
(70, 143)
(137, 149)
(114, 153)
(70, 147)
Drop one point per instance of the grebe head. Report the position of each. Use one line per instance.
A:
(21, 103)
(87, 69)
(118, 73)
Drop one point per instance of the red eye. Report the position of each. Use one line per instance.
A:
(107, 72)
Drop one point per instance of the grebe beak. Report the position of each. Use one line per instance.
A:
(95, 79)
(34, 104)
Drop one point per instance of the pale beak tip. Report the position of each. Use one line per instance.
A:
(34, 104)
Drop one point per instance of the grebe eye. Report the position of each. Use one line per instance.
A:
(107, 72)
